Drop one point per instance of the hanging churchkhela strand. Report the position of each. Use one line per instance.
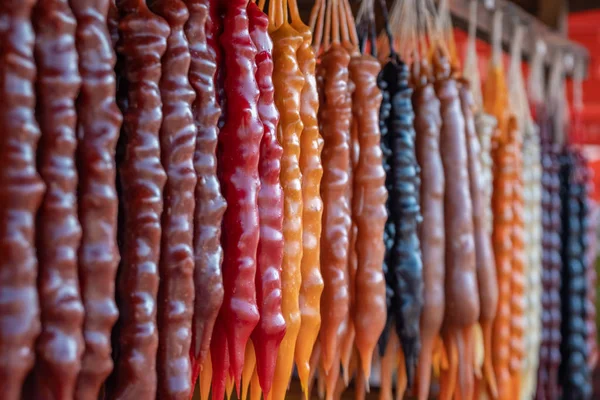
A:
(98, 124)
(288, 81)
(461, 292)
(574, 374)
(513, 143)
(388, 233)
(311, 145)
(496, 103)
(59, 232)
(270, 330)
(335, 113)
(22, 192)
(239, 148)
(349, 41)
(481, 180)
(178, 142)
(431, 233)
(405, 263)
(201, 31)
(143, 42)
(368, 199)
(530, 181)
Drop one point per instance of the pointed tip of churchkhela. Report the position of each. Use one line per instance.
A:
(237, 339)
(220, 361)
(303, 369)
(266, 360)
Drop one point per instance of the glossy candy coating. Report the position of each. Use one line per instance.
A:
(22, 191)
(335, 112)
(239, 147)
(143, 43)
(289, 81)
(574, 373)
(60, 344)
(201, 31)
(98, 123)
(176, 268)
(368, 209)
(271, 327)
(547, 382)
(311, 145)
(431, 232)
(404, 260)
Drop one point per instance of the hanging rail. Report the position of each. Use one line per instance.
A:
(535, 29)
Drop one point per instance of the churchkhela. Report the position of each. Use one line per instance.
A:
(244, 201)
(143, 41)
(238, 159)
(311, 145)
(270, 330)
(59, 231)
(201, 30)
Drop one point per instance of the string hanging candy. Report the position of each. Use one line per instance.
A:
(334, 120)
(270, 330)
(404, 259)
(431, 233)
(547, 382)
(59, 231)
(239, 150)
(513, 144)
(311, 168)
(481, 177)
(368, 202)
(201, 31)
(143, 37)
(531, 175)
(288, 82)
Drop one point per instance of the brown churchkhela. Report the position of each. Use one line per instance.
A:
(431, 232)
(201, 31)
(60, 344)
(22, 191)
(334, 120)
(461, 292)
(142, 177)
(177, 144)
(98, 124)
(484, 253)
(368, 208)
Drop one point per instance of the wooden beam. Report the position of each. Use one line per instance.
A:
(555, 42)
(513, 15)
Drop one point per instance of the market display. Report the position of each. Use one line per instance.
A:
(208, 196)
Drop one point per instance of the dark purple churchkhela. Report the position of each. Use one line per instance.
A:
(574, 373)
(403, 260)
